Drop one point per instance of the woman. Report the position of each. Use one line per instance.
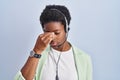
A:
(53, 57)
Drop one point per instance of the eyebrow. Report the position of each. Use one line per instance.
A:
(51, 31)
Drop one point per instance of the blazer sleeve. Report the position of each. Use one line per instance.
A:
(89, 69)
(19, 76)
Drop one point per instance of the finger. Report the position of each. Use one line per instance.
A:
(41, 35)
(48, 40)
(47, 35)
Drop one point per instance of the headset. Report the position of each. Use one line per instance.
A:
(66, 22)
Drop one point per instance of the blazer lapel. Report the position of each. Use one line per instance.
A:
(78, 63)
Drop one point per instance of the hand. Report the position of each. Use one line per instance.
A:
(42, 41)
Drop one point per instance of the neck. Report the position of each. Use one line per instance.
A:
(65, 47)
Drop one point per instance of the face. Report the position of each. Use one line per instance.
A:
(59, 32)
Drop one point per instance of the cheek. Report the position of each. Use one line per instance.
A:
(60, 37)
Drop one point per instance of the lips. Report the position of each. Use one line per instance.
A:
(53, 44)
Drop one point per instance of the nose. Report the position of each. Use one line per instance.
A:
(53, 35)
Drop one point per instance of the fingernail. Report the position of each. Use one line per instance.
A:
(53, 33)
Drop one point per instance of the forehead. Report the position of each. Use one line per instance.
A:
(53, 26)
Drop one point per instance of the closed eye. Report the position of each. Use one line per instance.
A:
(57, 33)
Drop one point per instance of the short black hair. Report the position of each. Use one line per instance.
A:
(49, 15)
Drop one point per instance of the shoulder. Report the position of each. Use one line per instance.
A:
(79, 52)
(82, 57)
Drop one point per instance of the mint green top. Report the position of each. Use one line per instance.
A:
(82, 62)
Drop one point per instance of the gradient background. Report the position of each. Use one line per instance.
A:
(95, 28)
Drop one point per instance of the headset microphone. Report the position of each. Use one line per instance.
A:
(63, 41)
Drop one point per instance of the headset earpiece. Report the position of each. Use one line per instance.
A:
(68, 28)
